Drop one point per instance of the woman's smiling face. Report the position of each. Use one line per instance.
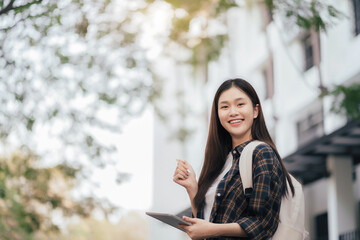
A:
(236, 114)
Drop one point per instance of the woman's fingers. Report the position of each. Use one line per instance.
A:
(181, 170)
(189, 219)
(184, 166)
(184, 175)
(180, 176)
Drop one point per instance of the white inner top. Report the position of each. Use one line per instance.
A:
(210, 195)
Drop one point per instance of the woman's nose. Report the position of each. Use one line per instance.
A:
(233, 111)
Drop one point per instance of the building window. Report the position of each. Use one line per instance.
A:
(268, 76)
(311, 126)
(308, 51)
(321, 227)
(356, 5)
(312, 51)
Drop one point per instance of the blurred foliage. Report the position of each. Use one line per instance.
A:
(132, 226)
(206, 44)
(71, 72)
(65, 64)
(346, 100)
(30, 194)
(314, 14)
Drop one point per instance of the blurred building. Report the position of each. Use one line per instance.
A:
(287, 67)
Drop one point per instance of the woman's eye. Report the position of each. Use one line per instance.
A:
(240, 104)
(223, 107)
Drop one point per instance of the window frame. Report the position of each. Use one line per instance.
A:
(308, 47)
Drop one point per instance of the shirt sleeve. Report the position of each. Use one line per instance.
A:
(264, 205)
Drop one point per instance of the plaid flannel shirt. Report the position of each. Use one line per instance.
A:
(260, 216)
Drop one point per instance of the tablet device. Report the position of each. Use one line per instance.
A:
(170, 219)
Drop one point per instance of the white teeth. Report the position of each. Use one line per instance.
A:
(235, 121)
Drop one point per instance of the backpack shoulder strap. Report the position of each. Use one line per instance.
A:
(245, 165)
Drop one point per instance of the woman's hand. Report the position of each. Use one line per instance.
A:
(199, 229)
(185, 176)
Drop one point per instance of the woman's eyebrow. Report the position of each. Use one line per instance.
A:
(237, 99)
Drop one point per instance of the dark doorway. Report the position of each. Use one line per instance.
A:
(321, 227)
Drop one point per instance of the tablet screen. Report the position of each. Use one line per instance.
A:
(170, 219)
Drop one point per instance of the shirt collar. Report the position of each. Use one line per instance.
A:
(238, 149)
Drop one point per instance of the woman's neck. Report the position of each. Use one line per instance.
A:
(237, 142)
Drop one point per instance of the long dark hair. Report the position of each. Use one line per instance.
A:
(219, 142)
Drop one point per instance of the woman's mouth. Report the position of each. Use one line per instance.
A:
(236, 122)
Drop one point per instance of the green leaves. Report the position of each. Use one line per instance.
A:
(23, 7)
(346, 100)
(63, 58)
(67, 170)
(305, 14)
(225, 5)
(82, 27)
(29, 123)
(28, 194)
(308, 15)
(191, 30)
(70, 72)
(65, 65)
(333, 12)
(107, 98)
(19, 97)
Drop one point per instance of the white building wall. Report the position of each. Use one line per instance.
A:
(315, 204)
(168, 197)
(295, 92)
(341, 202)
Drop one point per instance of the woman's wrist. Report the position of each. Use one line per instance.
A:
(192, 191)
(215, 230)
(227, 229)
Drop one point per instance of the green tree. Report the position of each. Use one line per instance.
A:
(71, 72)
(132, 226)
(346, 100)
(64, 64)
(29, 194)
(206, 45)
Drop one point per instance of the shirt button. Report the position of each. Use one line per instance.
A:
(234, 152)
(218, 194)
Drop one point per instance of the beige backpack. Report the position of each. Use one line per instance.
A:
(292, 210)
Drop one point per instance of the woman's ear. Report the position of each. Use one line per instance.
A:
(256, 111)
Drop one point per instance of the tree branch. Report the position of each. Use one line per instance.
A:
(8, 8)
(25, 6)
(22, 20)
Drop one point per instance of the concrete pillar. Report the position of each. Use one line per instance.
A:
(357, 195)
(341, 199)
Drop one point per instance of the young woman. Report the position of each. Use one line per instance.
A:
(218, 200)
